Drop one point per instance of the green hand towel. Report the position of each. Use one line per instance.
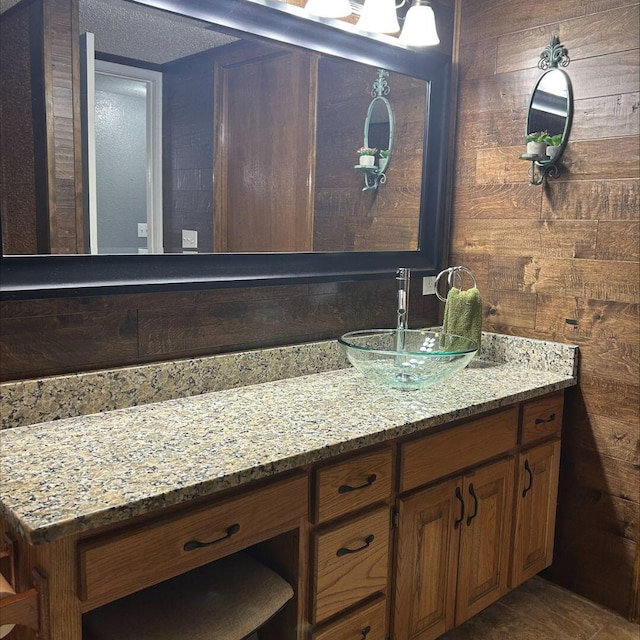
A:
(463, 314)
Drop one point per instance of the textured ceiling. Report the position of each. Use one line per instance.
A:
(142, 33)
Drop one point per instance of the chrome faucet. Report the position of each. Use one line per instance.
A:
(403, 278)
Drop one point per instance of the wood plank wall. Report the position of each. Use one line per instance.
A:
(187, 102)
(346, 218)
(560, 262)
(19, 46)
(63, 136)
(46, 337)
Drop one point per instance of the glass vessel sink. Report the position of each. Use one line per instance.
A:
(407, 359)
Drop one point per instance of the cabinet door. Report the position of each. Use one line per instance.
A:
(484, 540)
(428, 532)
(537, 492)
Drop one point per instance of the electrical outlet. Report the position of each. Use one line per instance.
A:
(142, 229)
(428, 286)
(189, 239)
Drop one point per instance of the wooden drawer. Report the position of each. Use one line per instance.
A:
(351, 562)
(470, 443)
(118, 564)
(357, 482)
(368, 622)
(542, 418)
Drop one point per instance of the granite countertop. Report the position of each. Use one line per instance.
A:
(74, 475)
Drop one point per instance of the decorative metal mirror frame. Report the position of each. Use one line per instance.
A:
(374, 176)
(552, 58)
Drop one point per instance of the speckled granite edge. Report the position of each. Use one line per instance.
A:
(41, 400)
(91, 471)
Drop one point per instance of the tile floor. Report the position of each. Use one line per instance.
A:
(541, 610)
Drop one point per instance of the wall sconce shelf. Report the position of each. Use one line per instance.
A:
(541, 166)
(373, 176)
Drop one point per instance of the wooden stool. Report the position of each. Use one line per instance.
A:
(226, 600)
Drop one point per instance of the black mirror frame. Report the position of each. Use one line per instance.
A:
(46, 276)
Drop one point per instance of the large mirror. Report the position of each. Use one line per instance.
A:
(254, 138)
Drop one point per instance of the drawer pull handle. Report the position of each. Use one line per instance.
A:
(458, 522)
(343, 551)
(551, 418)
(365, 632)
(472, 493)
(196, 544)
(345, 488)
(527, 468)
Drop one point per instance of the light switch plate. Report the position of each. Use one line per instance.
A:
(189, 239)
(428, 285)
(142, 230)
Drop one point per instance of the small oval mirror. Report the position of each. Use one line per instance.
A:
(378, 130)
(551, 108)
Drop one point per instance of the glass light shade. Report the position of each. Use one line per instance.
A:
(420, 27)
(379, 16)
(328, 8)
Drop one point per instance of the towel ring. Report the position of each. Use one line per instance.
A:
(455, 275)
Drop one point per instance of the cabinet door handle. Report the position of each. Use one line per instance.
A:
(527, 468)
(472, 493)
(365, 632)
(345, 488)
(343, 551)
(458, 522)
(551, 418)
(196, 544)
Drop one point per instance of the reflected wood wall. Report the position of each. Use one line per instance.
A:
(346, 218)
(41, 145)
(46, 337)
(560, 262)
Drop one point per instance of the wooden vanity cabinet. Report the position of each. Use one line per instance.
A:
(453, 551)
(351, 546)
(397, 542)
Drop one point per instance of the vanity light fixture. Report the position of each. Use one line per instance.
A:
(380, 16)
(328, 8)
(419, 28)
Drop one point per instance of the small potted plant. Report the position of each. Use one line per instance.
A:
(537, 143)
(553, 145)
(367, 156)
(384, 156)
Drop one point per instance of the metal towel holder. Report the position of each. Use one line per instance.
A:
(455, 276)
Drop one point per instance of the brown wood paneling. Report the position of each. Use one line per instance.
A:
(557, 239)
(619, 240)
(41, 345)
(609, 436)
(482, 20)
(188, 151)
(20, 30)
(576, 284)
(593, 200)
(606, 117)
(43, 337)
(345, 216)
(61, 82)
(588, 36)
